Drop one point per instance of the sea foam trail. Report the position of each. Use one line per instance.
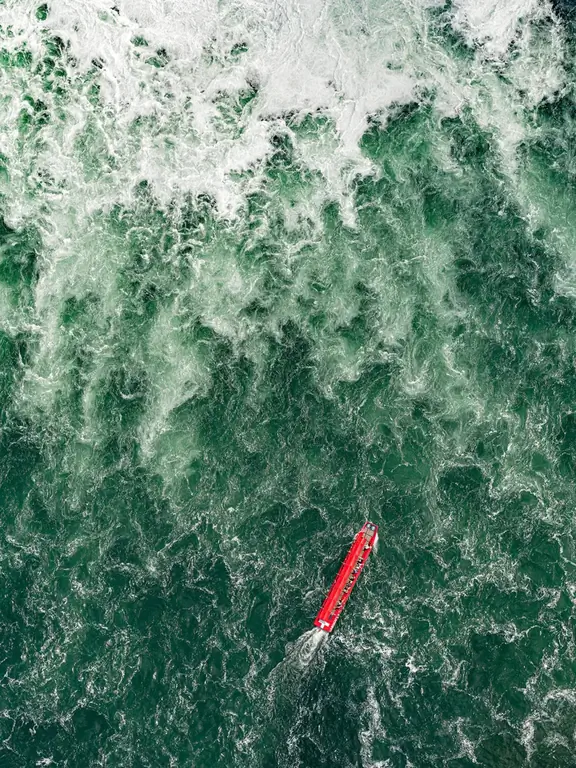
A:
(292, 689)
(304, 650)
(287, 678)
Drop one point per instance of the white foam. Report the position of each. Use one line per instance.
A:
(303, 651)
(303, 57)
(374, 730)
(494, 23)
(167, 125)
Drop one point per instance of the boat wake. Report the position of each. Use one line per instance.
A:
(301, 653)
(287, 678)
(304, 650)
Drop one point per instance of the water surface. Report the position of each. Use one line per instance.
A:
(268, 270)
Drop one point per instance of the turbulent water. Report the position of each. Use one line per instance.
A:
(268, 270)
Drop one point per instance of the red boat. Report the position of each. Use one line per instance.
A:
(347, 576)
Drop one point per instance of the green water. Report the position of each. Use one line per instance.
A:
(268, 271)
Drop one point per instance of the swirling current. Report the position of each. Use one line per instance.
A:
(269, 269)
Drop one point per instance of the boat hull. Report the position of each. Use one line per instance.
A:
(347, 577)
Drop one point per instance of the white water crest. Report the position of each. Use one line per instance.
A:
(187, 99)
